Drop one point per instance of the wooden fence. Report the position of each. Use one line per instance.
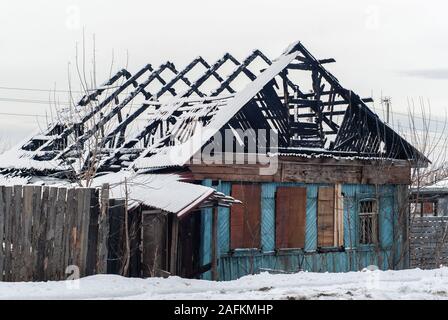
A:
(43, 230)
(428, 242)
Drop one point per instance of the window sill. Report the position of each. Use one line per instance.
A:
(330, 249)
(244, 251)
(289, 250)
(368, 247)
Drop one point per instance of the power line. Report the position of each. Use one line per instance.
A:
(39, 90)
(22, 114)
(47, 102)
(57, 90)
(37, 101)
(31, 101)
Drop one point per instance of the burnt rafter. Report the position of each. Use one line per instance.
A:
(211, 71)
(327, 119)
(105, 86)
(242, 67)
(105, 118)
(167, 87)
(225, 84)
(181, 76)
(60, 141)
(306, 66)
(378, 136)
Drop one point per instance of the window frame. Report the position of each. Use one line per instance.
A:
(337, 212)
(374, 221)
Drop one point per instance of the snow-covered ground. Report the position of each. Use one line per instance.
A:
(405, 284)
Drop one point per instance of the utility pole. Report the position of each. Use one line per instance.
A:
(387, 102)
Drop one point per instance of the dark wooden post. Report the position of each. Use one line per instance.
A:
(174, 240)
(284, 75)
(215, 275)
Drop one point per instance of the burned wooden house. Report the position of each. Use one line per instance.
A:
(237, 167)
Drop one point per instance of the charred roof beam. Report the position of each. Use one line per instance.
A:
(210, 71)
(356, 104)
(242, 67)
(104, 119)
(86, 99)
(181, 76)
(70, 129)
(308, 66)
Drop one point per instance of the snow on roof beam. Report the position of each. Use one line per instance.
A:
(104, 119)
(61, 139)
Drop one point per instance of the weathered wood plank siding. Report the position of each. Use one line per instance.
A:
(43, 230)
(387, 254)
(294, 169)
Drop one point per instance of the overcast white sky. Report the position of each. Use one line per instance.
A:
(397, 48)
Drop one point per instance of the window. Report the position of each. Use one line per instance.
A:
(290, 217)
(368, 222)
(245, 218)
(430, 208)
(330, 228)
(424, 208)
(416, 208)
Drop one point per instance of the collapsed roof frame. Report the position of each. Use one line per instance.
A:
(360, 132)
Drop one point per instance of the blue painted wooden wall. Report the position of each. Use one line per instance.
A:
(355, 257)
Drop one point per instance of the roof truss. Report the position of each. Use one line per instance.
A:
(294, 95)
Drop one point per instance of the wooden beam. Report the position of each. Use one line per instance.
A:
(326, 113)
(174, 245)
(309, 102)
(338, 216)
(215, 274)
(308, 66)
(312, 171)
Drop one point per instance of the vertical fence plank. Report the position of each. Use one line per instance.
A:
(13, 233)
(84, 198)
(103, 230)
(40, 216)
(92, 235)
(2, 231)
(50, 234)
(17, 261)
(70, 231)
(58, 264)
(78, 217)
(68, 223)
(7, 197)
(37, 207)
(28, 235)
